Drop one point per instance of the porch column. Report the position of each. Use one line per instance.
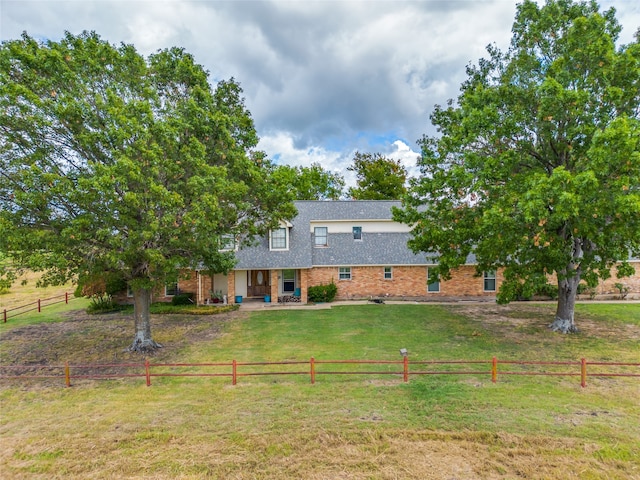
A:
(274, 285)
(231, 287)
(304, 284)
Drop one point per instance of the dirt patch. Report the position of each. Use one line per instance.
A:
(83, 339)
(514, 320)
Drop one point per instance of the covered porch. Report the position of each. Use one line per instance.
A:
(268, 285)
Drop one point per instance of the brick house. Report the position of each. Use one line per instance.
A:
(355, 244)
(358, 246)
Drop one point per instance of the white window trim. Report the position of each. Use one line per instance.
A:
(225, 239)
(326, 238)
(431, 283)
(295, 280)
(384, 273)
(286, 240)
(490, 275)
(343, 271)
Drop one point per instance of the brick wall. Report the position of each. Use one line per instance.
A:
(406, 281)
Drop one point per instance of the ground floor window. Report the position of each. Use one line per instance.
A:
(344, 273)
(433, 281)
(490, 281)
(288, 281)
(388, 273)
(171, 289)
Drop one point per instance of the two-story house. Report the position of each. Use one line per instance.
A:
(358, 246)
(355, 244)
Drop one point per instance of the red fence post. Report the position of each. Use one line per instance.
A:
(39, 308)
(494, 370)
(147, 371)
(66, 297)
(405, 369)
(5, 315)
(313, 370)
(67, 374)
(235, 372)
(583, 373)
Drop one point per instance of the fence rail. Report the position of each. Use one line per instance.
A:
(38, 305)
(235, 370)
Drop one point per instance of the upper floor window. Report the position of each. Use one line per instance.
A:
(490, 281)
(388, 273)
(357, 233)
(278, 239)
(227, 243)
(320, 236)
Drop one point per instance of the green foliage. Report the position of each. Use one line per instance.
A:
(116, 163)
(7, 274)
(323, 292)
(536, 165)
(190, 309)
(378, 178)
(622, 289)
(182, 299)
(102, 304)
(310, 183)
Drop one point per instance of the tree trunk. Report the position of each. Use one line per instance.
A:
(142, 342)
(567, 292)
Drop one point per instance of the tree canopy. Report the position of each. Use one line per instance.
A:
(310, 183)
(536, 165)
(377, 177)
(111, 162)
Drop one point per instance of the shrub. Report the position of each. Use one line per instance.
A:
(623, 289)
(547, 290)
(584, 289)
(322, 293)
(182, 299)
(191, 309)
(102, 303)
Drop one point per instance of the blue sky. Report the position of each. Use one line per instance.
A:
(322, 79)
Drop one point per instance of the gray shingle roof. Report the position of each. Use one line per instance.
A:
(375, 249)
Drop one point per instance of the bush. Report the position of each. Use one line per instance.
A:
(322, 293)
(547, 290)
(183, 299)
(191, 309)
(102, 304)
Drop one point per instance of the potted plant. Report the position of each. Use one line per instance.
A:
(216, 296)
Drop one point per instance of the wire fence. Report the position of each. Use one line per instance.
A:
(38, 305)
(404, 369)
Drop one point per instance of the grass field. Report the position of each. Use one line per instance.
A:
(346, 427)
(25, 291)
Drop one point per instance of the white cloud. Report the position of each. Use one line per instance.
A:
(280, 148)
(408, 157)
(322, 79)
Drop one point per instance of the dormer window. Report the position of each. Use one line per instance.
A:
(228, 243)
(279, 239)
(357, 233)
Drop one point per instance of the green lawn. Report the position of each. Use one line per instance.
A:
(360, 427)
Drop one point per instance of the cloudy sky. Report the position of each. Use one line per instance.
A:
(322, 79)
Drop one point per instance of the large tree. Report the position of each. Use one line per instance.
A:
(111, 163)
(310, 183)
(536, 165)
(377, 177)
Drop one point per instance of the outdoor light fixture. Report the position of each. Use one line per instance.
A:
(403, 352)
